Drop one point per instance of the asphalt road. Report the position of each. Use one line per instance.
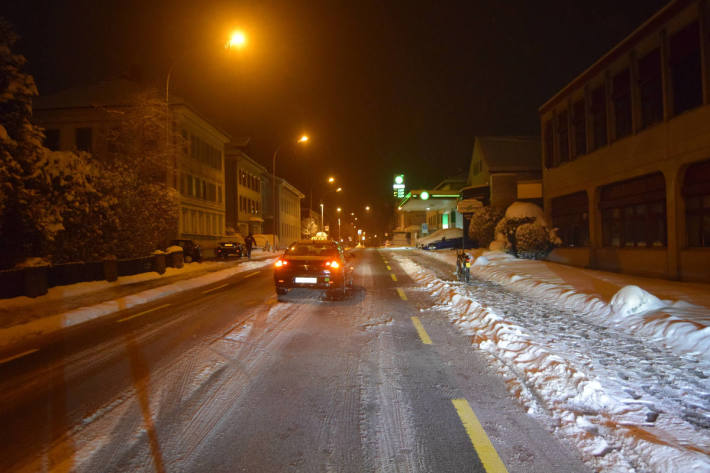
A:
(227, 379)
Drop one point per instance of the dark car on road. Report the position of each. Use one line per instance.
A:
(190, 250)
(229, 248)
(314, 264)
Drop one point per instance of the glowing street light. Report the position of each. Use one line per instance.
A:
(331, 179)
(339, 210)
(367, 207)
(303, 139)
(237, 40)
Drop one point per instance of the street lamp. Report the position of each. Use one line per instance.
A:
(301, 140)
(237, 40)
(367, 207)
(322, 222)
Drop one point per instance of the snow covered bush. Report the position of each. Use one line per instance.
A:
(483, 224)
(524, 233)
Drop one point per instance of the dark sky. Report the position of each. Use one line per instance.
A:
(381, 87)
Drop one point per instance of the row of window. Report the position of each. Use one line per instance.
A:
(290, 232)
(633, 212)
(247, 205)
(197, 222)
(192, 186)
(82, 138)
(249, 180)
(632, 100)
(204, 152)
(290, 207)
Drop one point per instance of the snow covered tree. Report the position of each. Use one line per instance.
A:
(38, 188)
(483, 224)
(309, 227)
(524, 232)
(532, 240)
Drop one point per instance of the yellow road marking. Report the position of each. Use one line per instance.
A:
(251, 274)
(394, 278)
(19, 355)
(420, 330)
(401, 293)
(484, 448)
(143, 313)
(215, 288)
(388, 268)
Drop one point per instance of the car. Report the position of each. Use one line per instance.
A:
(229, 248)
(190, 250)
(314, 264)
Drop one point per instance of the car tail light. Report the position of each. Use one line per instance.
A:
(281, 262)
(332, 264)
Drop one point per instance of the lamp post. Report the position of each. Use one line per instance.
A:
(322, 222)
(302, 139)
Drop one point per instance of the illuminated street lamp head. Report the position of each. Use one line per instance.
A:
(303, 139)
(339, 209)
(237, 40)
(331, 179)
(367, 207)
(338, 189)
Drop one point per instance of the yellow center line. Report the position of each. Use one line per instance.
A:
(401, 293)
(394, 278)
(142, 313)
(19, 355)
(481, 443)
(251, 274)
(388, 268)
(215, 288)
(420, 330)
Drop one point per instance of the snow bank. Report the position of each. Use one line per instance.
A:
(611, 430)
(631, 300)
(40, 327)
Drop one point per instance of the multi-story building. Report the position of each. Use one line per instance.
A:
(626, 152)
(83, 118)
(244, 184)
(289, 212)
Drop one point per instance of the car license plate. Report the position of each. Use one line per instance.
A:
(306, 280)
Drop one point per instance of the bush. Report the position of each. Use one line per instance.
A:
(532, 240)
(483, 224)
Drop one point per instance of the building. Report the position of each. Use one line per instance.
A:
(244, 187)
(504, 169)
(626, 152)
(82, 119)
(289, 213)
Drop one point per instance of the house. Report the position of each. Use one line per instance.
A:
(244, 188)
(82, 119)
(287, 209)
(626, 152)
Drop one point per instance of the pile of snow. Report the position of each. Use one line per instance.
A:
(525, 209)
(632, 300)
(613, 427)
(448, 233)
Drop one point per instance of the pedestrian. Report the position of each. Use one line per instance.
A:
(249, 241)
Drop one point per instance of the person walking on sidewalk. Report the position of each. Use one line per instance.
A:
(249, 241)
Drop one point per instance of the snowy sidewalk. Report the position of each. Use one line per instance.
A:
(626, 401)
(22, 318)
(674, 313)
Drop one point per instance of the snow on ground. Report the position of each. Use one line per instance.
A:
(627, 402)
(17, 333)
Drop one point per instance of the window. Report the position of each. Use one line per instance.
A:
(634, 212)
(621, 98)
(696, 191)
(570, 215)
(83, 139)
(686, 76)
(549, 144)
(579, 123)
(597, 112)
(650, 88)
(563, 136)
(51, 139)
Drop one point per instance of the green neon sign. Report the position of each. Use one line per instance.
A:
(424, 195)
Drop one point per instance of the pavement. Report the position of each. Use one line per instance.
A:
(226, 378)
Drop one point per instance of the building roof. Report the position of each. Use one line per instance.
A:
(620, 49)
(283, 182)
(510, 153)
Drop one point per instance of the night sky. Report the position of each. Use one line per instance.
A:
(380, 86)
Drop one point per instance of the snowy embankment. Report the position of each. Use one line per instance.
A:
(47, 325)
(584, 379)
(676, 323)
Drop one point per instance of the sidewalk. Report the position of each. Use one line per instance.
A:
(676, 312)
(22, 318)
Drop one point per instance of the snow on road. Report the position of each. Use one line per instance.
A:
(628, 402)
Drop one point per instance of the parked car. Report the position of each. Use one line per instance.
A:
(314, 264)
(229, 248)
(190, 250)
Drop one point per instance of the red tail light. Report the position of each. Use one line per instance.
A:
(280, 262)
(332, 264)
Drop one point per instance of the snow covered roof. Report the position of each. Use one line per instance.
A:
(510, 153)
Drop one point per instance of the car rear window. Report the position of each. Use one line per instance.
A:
(312, 249)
